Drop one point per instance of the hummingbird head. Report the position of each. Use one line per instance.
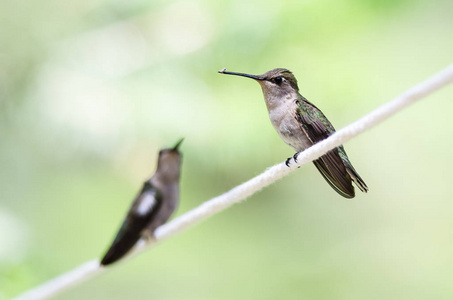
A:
(169, 162)
(276, 84)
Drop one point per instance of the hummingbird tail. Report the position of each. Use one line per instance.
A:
(119, 248)
(357, 180)
(335, 175)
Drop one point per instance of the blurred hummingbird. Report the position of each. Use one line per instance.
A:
(301, 124)
(152, 207)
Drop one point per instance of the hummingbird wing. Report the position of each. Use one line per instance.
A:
(143, 210)
(331, 165)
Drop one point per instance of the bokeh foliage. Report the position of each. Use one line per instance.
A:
(90, 90)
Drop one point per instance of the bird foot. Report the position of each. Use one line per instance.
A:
(294, 158)
(287, 161)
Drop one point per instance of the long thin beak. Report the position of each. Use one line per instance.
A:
(224, 71)
(175, 148)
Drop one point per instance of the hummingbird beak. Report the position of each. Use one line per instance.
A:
(224, 71)
(175, 148)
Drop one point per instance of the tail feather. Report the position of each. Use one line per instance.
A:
(125, 240)
(339, 182)
(357, 180)
(119, 249)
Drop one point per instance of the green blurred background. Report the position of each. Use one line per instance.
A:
(90, 90)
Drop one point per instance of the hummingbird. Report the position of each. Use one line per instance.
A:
(152, 207)
(300, 124)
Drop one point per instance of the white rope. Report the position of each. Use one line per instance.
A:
(90, 269)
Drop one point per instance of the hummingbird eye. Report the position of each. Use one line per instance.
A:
(278, 80)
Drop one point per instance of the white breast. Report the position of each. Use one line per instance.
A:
(283, 119)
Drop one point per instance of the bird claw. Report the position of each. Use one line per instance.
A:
(287, 161)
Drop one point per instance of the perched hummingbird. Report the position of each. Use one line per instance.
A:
(152, 207)
(300, 124)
